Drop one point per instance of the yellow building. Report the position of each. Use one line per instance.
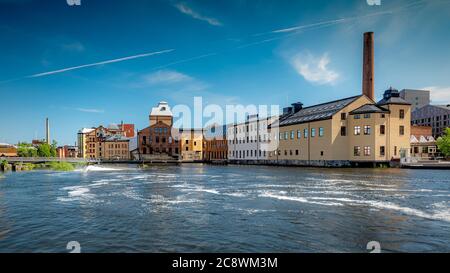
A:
(346, 132)
(191, 144)
(82, 141)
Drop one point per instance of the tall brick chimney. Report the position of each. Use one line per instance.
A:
(47, 131)
(368, 66)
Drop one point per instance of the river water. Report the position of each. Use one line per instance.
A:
(203, 208)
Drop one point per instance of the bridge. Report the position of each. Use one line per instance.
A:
(47, 159)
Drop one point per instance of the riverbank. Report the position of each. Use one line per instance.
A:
(54, 166)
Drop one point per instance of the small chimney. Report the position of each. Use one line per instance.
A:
(368, 66)
(297, 106)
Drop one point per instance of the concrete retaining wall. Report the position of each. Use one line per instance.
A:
(311, 163)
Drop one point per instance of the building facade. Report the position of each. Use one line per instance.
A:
(423, 144)
(215, 143)
(345, 132)
(436, 116)
(115, 147)
(159, 140)
(105, 142)
(191, 144)
(417, 98)
(250, 140)
(67, 151)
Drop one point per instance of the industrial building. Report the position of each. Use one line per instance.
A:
(215, 145)
(158, 140)
(417, 98)
(436, 116)
(108, 143)
(249, 141)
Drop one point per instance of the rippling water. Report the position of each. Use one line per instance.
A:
(201, 208)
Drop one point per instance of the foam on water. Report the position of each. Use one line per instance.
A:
(94, 168)
(441, 211)
(77, 193)
(297, 199)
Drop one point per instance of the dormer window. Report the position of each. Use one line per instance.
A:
(163, 108)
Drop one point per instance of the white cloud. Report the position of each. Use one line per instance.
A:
(314, 69)
(184, 8)
(439, 94)
(167, 77)
(86, 110)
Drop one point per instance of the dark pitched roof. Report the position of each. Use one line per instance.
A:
(392, 96)
(369, 108)
(445, 107)
(393, 100)
(316, 112)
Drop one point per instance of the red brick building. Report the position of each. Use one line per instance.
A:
(159, 140)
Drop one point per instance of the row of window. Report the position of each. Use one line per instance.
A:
(248, 139)
(367, 130)
(157, 139)
(160, 130)
(157, 150)
(249, 128)
(431, 119)
(247, 153)
(291, 135)
(444, 123)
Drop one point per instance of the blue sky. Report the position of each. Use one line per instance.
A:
(82, 66)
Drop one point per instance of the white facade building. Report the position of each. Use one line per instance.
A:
(250, 140)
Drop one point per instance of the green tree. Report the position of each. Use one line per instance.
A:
(44, 150)
(443, 143)
(53, 149)
(26, 150)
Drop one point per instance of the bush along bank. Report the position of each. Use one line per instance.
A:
(55, 166)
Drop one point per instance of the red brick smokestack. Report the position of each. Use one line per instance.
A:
(368, 66)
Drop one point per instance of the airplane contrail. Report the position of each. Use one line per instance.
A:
(99, 63)
(342, 20)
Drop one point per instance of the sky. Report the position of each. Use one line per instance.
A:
(104, 62)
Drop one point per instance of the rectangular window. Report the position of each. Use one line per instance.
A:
(281, 136)
(366, 115)
(356, 151)
(367, 151)
(402, 130)
(313, 132)
(382, 129)
(343, 116)
(382, 151)
(305, 133)
(343, 131)
(321, 132)
(299, 134)
(357, 117)
(292, 134)
(402, 114)
(357, 130)
(286, 135)
(367, 129)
